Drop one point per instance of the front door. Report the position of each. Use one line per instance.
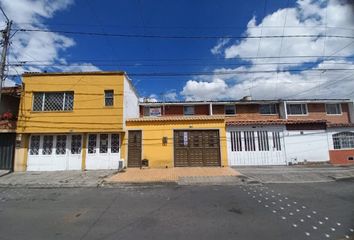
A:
(134, 149)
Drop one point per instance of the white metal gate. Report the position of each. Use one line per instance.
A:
(54, 152)
(255, 146)
(103, 151)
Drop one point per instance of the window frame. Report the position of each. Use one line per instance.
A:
(43, 103)
(297, 114)
(106, 91)
(230, 105)
(339, 108)
(269, 104)
(188, 106)
(341, 137)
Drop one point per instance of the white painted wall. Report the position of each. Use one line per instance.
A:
(309, 145)
(130, 101)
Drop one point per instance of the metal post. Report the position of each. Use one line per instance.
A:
(5, 37)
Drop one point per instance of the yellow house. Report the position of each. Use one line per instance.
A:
(177, 141)
(73, 121)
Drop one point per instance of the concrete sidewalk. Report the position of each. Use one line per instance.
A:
(182, 176)
(55, 179)
(297, 174)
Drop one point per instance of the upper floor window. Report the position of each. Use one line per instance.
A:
(152, 111)
(188, 110)
(53, 101)
(333, 108)
(108, 97)
(268, 109)
(296, 109)
(230, 109)
(343, 140)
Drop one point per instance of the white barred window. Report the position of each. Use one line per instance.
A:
(115, 143)
(343, 140)
(53, 101)
(92, 142)
(34, 146)
(75, 144)
(103, 143)
(61, 145)
(47, 145)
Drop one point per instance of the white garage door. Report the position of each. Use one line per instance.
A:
(255, 146)
(54, 152)
(103, 151)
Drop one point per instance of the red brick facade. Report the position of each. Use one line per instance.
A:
(341, 156)
(318, 111)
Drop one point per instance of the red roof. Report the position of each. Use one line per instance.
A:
(273, 122)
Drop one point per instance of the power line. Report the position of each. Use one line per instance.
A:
(320, 57)
(179, 37)
(21, 64)
(231, 72)
(183, 27)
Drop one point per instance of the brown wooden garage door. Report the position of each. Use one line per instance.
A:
(196, 148)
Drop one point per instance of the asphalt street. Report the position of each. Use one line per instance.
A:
(270, 211)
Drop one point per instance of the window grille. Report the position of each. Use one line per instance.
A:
(38, 101)
(263, 141)
(103, 143)
(34, 147)
(60, 147)
(47, 145)
(75, 144)
(236, 141)
(343, 140)
(249, 141)
(276, 141)
(296, 109)
(115, 143)
(53, 101)
(92, 143)
(268, 109)
(333, 109)
(108, 97)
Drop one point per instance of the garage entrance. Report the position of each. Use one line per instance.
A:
(196, 148)
(255, 145)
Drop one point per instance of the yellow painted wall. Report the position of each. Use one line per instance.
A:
(89, 113)
(160, 156)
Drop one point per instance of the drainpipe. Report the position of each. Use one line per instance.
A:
(210, 109)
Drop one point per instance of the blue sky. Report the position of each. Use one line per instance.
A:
(189, 18)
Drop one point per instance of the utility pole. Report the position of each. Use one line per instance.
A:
(5, 43)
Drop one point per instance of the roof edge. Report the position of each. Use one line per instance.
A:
(32, 74)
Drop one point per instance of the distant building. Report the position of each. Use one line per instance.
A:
(10, 98)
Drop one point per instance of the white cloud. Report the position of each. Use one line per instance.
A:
(46, 47)
(306, 18)
(170, 95)
(217, 49)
